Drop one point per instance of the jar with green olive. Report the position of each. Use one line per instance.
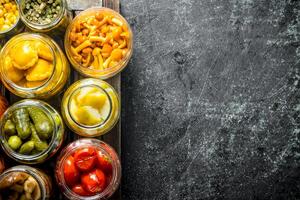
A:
(31, 131)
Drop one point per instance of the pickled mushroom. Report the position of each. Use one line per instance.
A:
(24, 55)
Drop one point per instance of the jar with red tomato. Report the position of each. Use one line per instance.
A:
(88, 169)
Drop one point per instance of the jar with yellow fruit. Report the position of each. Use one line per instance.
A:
(33, 66)
(90, 107)
(10, 22)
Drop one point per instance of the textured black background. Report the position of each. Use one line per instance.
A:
(211, 100)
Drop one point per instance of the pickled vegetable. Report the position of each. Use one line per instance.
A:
(27, 147)
(22, 122)
(29, 63)
(9, 128)
(100, 40)
(20, 185)
(39, 145)
(90, 106)
(42, 123)
(9, 14)
(34, 140)
(14, 142)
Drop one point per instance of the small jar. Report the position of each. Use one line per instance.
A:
(19, 175)
(80, 111)
(54, 143)
(15, 28)
(55, 26)
(47, 78)
(103, 149)
(99, 43)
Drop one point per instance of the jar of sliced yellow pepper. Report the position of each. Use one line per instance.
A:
(33, 66)
(90, 107)
(10, 22)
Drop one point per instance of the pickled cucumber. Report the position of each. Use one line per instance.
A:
(14, 142)
(27, 147)
(22, 122)
(9, 128)
(42, 123)
(38, 143)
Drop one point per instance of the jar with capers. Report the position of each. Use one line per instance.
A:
(47, 16)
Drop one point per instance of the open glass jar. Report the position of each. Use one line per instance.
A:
(33, 66)
(10, 22)
(99, 42)
(90, 107)
(95, 178)
(23, 181)
(50, 17)
(31, 131)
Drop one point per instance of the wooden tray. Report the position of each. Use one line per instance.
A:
(113, 138)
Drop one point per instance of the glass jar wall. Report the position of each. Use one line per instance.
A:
(33, 66)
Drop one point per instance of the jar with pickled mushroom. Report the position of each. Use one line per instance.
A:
(24, 182)
(90, 107)
(31, 131)
(33, 66)
(50, 17)
(10, 22)
(98, 43)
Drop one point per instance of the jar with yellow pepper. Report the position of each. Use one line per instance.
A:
(98, 43)
(33, 66)
(10, 22)
(90, 107)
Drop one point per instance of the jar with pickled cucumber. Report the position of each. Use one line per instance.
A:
(33, 66)
(44, 16)
(10, 22)
(90, 107)
(24, 182)
(31, 131)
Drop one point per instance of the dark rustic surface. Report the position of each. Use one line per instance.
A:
(211, 100)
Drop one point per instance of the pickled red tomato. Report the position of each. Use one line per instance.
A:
(85, 158)
(71, 173)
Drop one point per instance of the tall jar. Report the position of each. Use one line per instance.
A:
(53, 143)
(15, 27)
(67, 159)
(22, 175)
(91, 107)
(55, 26)
(33, 66)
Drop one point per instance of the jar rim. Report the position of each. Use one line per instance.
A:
(28, 170)
(30, 159)
(99, 145)
(76, 90)
(29, 36)
(15, 24)
(114, 69)
(42, 26)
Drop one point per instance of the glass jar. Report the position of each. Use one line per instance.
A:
(54, 143)
(55, 27)
(20, 174)
(16, 80)
(100, 146)
(90, 86)
(95, 35)
(16, 28)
